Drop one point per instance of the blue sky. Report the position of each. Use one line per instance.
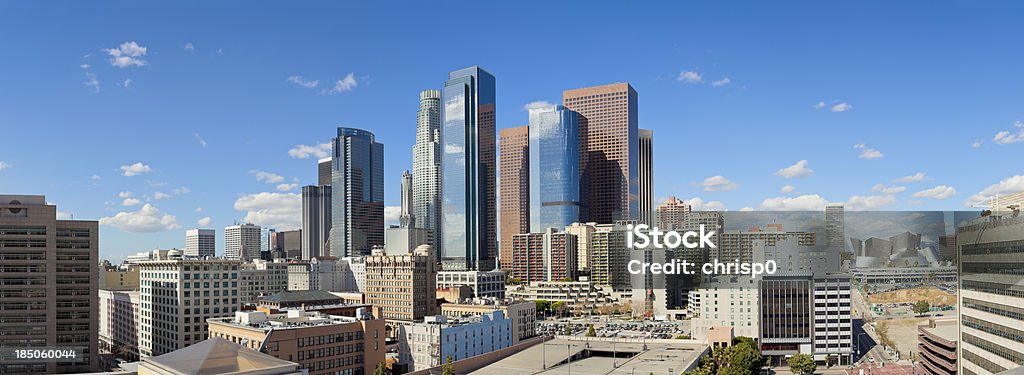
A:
(735, 94)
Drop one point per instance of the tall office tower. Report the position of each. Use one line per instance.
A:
(407, 219)
(835, 224)
(48, 284)
(285, 245)
(178, 296)
(426, 166)
(200, 243)
(515, 188)
(548, 256)
(672, 214)
(554, 169)
(323, 172)
(468, 199)
(608, 121)
(991, 297)
(583, 232)
(242, 241)
(402, 286)
(645, 172)
(316, 220)
(609, 255)
(357, 185)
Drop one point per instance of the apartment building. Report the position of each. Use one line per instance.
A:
(429, 344)
(260, 278)
(489, 284)
(522, 313)
(548, 256)
(119, 322)
(579, 296)
(402, 286)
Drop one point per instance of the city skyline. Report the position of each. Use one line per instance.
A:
(172, 104)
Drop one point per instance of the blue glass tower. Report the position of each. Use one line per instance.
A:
(468, 167)
(554, 168)
(357, 200)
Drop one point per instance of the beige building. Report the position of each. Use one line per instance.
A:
(608, 121)
(217, 356)
(119, 322)
(583, 232)
(608, 256)
(177, 296)
(48, 283)
(514, 193)
(261, 278)
(671, 214)
(580, 296)
(739, 244)
(402, 286)
(522, 313)
(319, 343)
(123, 276)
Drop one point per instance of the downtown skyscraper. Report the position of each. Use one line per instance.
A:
(608, 124)
(514, 191)
(316, 220)
(426, 166)
(555, 175)
(357, 193)
(468, 168)
(645, 172)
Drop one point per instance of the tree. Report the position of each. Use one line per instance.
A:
(568, 329)
(591, 332)
(448, 368)
(543, 305)
(513, 281)
(922, 307)
(381, 369)
(802, 364)
(559, 308)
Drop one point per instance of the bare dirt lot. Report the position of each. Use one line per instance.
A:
(934, 296)
(903, 333)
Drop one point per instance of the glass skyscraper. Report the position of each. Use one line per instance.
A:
(554, 168)
(357, 199)
(468, 167)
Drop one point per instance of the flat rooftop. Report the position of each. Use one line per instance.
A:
(602, 357)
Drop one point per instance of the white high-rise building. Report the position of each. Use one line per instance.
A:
(200, 243)
(242, 241)
(426, 165)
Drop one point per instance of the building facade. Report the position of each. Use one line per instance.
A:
(515, 188)
(261, 278)
(645, 173)
(323, 172)
(489, 284)
(242, 241)
(936, 347)
(48, 283)
(200, 243)
(322, 273)
(402, 286)
(554, 168)
(119, 322)
(316, 220)
(671, 214)
(608, 121)
(468, 171)
(426, 165)
(429, 344)
(835, 225)
(176, 298)
(357, 193)
(548, 256)
(522, 313)
(583, 232)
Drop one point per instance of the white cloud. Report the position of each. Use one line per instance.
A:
(391, 214)
(199, 209)
(798, 170)
(287, 187)
(806, 202)
(1006, 137)
(451, 148)
(127, 82)
(91, 81)
(939, 192)
(146, 219)
(880, 188)
(841, 107)
(303, 82)
(919, 176)
(5, 165)
(124, 194)
(689, 76)
(272, 210)
(204, 222)
(698, 204)
(1009, 185)
(135, 169)
(202, 142)
(977, 143)
(181, 190)
(537, 104)
(746, 209)
(721, 82)
(161, 195)
(94, 177)
(131, 202)
(85, 66)
(820, 105)
(189, 47)
(787, 189)
(127, 55)
(716, 183)
(869, 202)
(345, 84)
(868, 152)
(320, 150)
(270, 178)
